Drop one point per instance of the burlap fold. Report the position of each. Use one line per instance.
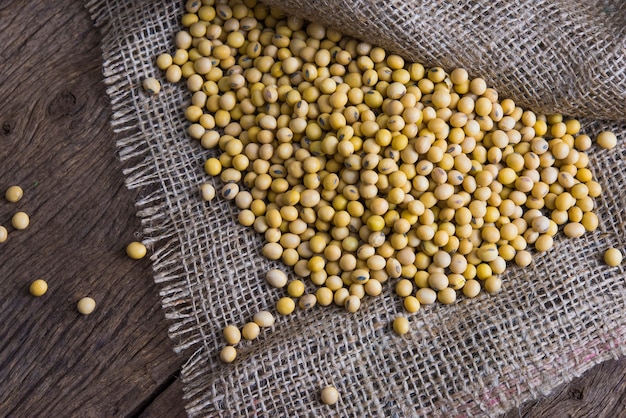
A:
(552, 321)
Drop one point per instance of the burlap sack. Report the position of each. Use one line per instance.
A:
(552, 321)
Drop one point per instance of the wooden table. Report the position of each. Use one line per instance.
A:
(56, 142)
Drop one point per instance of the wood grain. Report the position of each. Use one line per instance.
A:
(55, 141)
(599, 393)
(167, 404)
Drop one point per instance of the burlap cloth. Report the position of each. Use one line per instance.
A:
(552, 321)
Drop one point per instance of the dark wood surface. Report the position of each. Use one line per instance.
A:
(56, 142)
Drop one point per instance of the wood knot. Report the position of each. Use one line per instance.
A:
(577, 394)
(63, 104)
(7, 128)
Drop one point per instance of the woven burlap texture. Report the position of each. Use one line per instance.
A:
(551, 322)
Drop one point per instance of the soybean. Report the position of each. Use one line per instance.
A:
(38, 288)
(228, 354)
(330, 395)
(232, 335)
(151, 85)
(613, 257)
(276, 278)
(14, 194)
(264, 319)
(86, 305)
(136, 250)
(20, 220)
(401, 325)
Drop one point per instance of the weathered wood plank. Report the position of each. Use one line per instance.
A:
(599, 393)
(55, 141)
(167, 404)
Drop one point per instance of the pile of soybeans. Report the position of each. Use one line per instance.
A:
(361, 168)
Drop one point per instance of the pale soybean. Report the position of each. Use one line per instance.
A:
(14, 194)
(330, 395)
(613, 257)
(231, 334)
(228, 354)
(20, 220)
(264, 319)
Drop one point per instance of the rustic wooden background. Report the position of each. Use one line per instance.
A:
(55, 142)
